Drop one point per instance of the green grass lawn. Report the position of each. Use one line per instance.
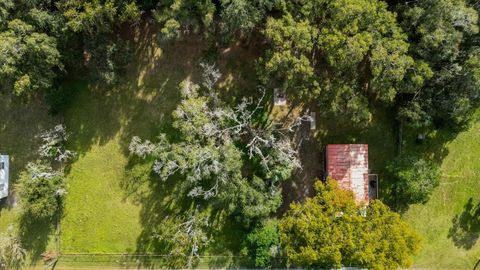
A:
(97, 218)
(447, 222)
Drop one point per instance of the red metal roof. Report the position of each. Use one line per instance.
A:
(348, 164)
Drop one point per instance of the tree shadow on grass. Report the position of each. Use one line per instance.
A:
(35, 234)
(465, 229)
(300, 186)
(433, 148)
(229, 237)
(159, 204)
(20, 122)
(145, 94)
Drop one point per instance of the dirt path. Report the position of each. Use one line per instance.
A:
(301, 185)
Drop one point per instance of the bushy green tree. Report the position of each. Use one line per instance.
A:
(264, 243)
(131, 13)
(438, 28)
(331, 230)
(243, 16)
(5, 7)
(97, 16)
(40, 190)
(29, 58)
(184, 16)
(414, 179)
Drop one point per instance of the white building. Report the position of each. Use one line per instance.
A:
(4, 176)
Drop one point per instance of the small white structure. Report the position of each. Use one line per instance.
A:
(313, 121)
(4, 178)
(279, 97)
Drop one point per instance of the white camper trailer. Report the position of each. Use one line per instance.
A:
(4, 166)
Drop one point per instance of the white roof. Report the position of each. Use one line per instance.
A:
(4, 178)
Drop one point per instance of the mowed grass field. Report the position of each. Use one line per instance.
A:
(450, 220)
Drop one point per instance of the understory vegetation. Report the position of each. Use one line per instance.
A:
(148, 128)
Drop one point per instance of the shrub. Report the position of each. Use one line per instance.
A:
(40, 190)
(415, 179)
(264, 243)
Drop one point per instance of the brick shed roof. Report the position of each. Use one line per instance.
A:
(348, 164)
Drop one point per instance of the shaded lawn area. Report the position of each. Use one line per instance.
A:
(100, 216)
(20, 122)
(450, 220)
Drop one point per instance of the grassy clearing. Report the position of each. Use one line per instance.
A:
(449, 221)
(97, 219)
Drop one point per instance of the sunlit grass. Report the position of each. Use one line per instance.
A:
(460, 182)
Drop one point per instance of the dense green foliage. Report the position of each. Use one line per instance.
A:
(343, 54)
(264, 243)
(332, 230)
(28, 58)
(414, 179)
(40, 190)
(94, 16)
(443, 34)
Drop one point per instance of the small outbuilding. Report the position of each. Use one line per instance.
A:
(4, 177)
(279, 97)
(348, 164)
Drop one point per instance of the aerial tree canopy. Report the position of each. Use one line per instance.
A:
(244, 16)
(414, 179)
(263, 243)
(97, 16)
(29, 58)
(343, 54)
(443, 34)
(184, 16)
(331, 230)
(223, 154)
(40, 189)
